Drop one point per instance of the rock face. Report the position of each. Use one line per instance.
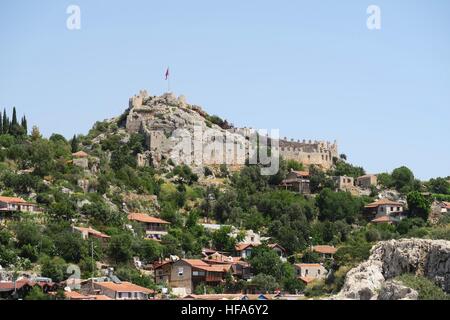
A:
(168, 120)
(428, 258)
(394, 290)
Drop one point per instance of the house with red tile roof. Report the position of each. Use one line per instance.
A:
(21, 287)
(385, 207)
(119, 290)
(325, 251)
(184, 275)
(15, 204)
(155, 228)
(86, 233)
(297, 181)
(244, 250)
(308, 272)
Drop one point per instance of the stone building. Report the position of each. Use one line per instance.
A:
(367, 181)
(297, 181)
(166, 121)
(344, 183)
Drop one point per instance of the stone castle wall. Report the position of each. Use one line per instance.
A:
(141, 119)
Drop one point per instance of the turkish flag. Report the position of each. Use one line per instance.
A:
(167, 73)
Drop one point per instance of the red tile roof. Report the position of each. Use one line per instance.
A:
(200, 264)
(382, 219)
(80, 154)
(142, 217)
(308, 265)
(243, 246)
(307, 280)
(324, 249)
(92, 232)
(11, 200)
(383, 202)
(123, 287)
(301, 173)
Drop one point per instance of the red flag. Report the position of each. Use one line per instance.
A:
(167, 73)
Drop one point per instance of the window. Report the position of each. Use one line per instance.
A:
(306, 272)
(198, 273)
(318, 272)
(180, 272)
(392, 208)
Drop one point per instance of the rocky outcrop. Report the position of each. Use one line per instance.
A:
(389, 259)
(394, 290)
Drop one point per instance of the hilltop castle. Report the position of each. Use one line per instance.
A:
(159, 117)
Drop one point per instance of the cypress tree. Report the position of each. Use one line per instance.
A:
(14, 118)
(5, 122)
(24, 125)
(74, 144)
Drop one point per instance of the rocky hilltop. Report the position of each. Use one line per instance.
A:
(373, 279)
(166, 120)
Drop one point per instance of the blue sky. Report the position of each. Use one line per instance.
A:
(310, 68)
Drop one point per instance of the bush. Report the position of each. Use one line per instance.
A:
(426, 288)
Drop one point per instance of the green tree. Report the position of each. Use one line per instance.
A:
(264, 283)
(36, 293)
(74, 143)
(265, 260)
(439, 186)
(419, 206)
(335, 206)
(403, 179)
(120, 248)
(54, 268)
(5, 120)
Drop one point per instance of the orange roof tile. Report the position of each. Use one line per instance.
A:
(243, 246)
(308, 265)
(123, 287)
(301, 173)
(142, 217)
(80, 154)
(307, 280)
(92, 232)
(381, 219)
(11, 200)
(324, 249)
(383, 202)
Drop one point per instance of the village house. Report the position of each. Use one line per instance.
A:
(367, 181)
(184, 275)
(385, 211)
(445, 207)
(155, 228)
(117, 290)
(21, 287)
(244, 250)
(326, 252)
(87, 233)
(240, 269)
(14, 204)
(344, 183)
(80, 159)
(297, 181)
(309, 272)
(74, 295)
(279, 250)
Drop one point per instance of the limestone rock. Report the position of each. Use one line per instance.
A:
(389, 259)
(394, 290)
